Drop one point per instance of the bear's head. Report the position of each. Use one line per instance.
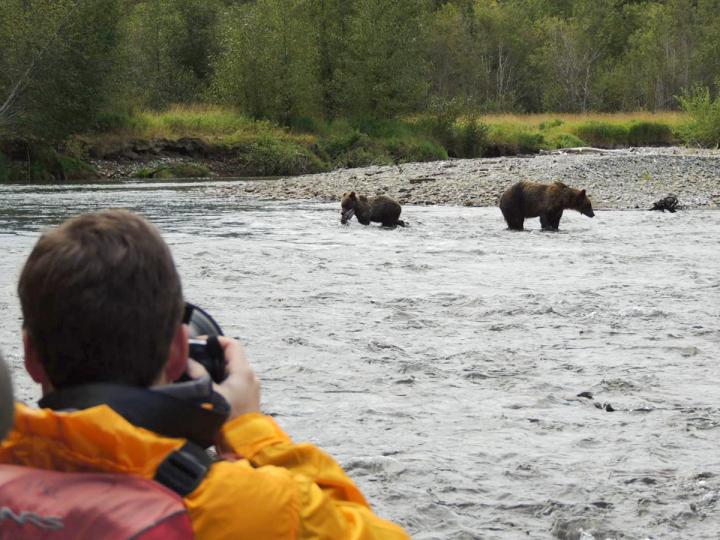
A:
(583, 204)
(347, 206)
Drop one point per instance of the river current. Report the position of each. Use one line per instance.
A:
(442, 363)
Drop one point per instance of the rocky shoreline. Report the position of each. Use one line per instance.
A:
(615, 179)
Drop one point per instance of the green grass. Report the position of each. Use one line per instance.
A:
(509, 133)
(263, 148)
(260, 147)
(214, 124)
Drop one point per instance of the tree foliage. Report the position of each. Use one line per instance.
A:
(55, 58)
(65, 61)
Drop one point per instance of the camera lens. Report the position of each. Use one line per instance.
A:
(208, 353)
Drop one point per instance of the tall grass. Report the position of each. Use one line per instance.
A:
(310, 145)
(207, 121)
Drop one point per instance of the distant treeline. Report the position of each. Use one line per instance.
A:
(70, 66)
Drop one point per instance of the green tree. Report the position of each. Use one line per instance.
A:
(507, 40)
(659, 59)
(575, 53)
(385, 71)
(453, 56)
(269, 65)
(330, 20)
(54, 64)
(165, 53)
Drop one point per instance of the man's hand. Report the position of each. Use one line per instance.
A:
(241, 389)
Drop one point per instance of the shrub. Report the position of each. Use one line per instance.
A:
(565, 140)
(383, 129)
(510, 140)
(114, 121)
(336, 145)
(76, 169)
(266, 156)
(602, 134)
(362, 157)
(472, 138)
(704, 127)
(305, 124)
(403, 151)
(551, 124)
(650, 134)
(530, 143)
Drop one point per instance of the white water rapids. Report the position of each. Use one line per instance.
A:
(441, 363)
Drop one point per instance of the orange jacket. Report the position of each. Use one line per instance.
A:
(275, 488)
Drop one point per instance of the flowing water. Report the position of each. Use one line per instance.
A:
(441, 363)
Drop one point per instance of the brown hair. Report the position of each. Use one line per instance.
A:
(101, 300)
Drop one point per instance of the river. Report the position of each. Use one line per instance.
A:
(441, 363)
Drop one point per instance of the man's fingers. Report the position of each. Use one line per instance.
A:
(234, 354)
(195, 369)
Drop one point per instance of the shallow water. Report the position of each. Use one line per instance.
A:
(441, 363)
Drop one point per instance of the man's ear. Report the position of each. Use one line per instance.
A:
(178, 354)
(32, 361)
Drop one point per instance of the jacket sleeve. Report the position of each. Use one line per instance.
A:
(330, 505)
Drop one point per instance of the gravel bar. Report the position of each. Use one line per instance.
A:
(615, 179)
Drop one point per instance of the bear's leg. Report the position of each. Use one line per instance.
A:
(555, 219)
(393, 223)
(544, 223)
(550, 220)
(514, 222)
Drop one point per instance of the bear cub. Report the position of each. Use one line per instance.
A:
(380, 209)
(530, 199)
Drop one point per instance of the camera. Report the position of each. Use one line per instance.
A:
(207, 352)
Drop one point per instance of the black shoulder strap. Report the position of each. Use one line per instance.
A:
(156, 411)
(183, 470)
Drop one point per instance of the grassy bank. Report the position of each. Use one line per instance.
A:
(527, 134)
(261, 148)
(310, 145)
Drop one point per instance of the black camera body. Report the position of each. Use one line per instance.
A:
(207, 352)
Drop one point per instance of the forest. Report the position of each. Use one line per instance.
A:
(299, 66)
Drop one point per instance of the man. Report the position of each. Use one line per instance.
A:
(102, 308)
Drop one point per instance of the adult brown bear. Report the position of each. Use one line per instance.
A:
(530, 199)
(380, 209)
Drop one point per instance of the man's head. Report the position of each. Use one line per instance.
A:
(7, 407)
(101, 302)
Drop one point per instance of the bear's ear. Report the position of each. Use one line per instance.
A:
(582, 192)
(352, 195)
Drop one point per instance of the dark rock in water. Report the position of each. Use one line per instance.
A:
(604, 406)
(669, 203)
(587, 395)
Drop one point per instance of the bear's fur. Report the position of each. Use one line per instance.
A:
(380, 209)
(547, 201)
